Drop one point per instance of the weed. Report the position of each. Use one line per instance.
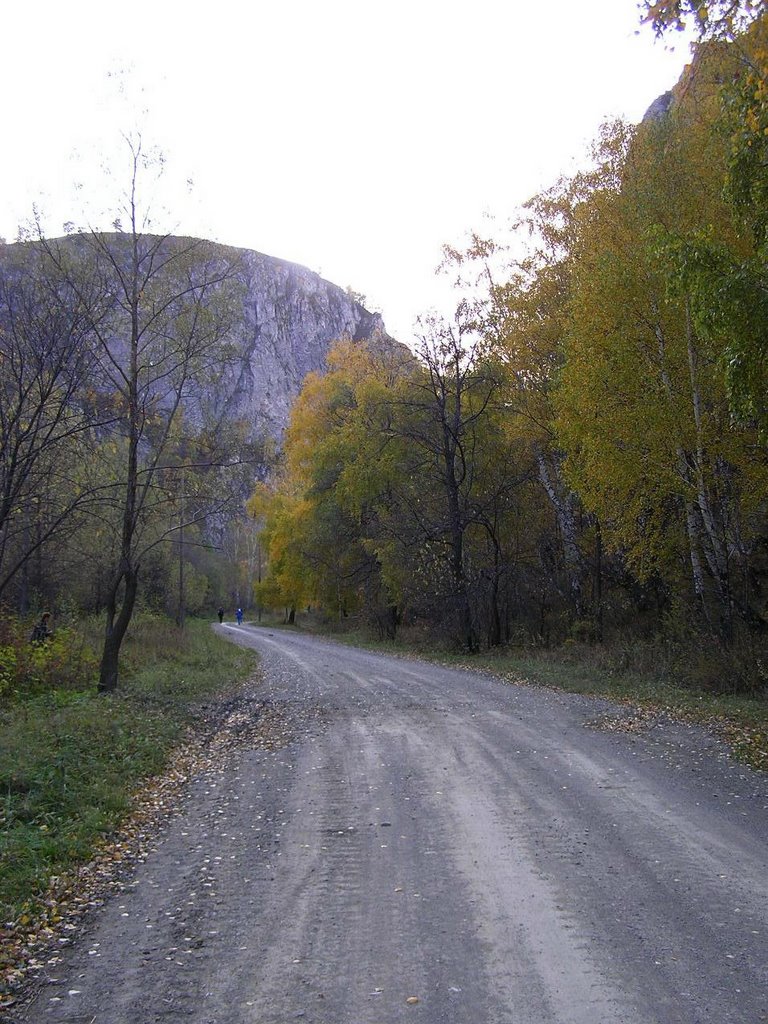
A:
(67, 660)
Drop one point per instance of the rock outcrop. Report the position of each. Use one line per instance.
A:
(660, 107)
(286, 319)
(291, 317)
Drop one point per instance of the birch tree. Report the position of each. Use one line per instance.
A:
(643, 404)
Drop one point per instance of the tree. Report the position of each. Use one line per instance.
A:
(523, 316)
(643, 410)
(450, 400)
(723, 274)
(719, 19)
(425, 469)
(314, 534)
(283, 513)
(526, 323)
(46, 359)
(160, 338)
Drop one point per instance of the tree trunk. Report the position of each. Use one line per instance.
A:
(715, 543)
(464, 610)
(549, 476)
(117, 625)
(494, 628)
(598, 595)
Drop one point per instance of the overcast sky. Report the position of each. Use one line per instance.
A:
(353, 137)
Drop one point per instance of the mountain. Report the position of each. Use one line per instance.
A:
(660, 107)
(291, 316)
(286, 319)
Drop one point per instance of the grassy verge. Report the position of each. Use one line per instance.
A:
(71, 760)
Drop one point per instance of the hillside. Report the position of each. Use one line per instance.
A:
(288, 318)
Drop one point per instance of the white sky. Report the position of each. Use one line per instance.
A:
(353, 137)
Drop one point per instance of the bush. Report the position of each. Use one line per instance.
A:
(66, 661)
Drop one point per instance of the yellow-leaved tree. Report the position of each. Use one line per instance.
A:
(642, 402)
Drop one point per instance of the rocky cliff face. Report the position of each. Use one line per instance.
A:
(659, 109)
(291, 317)
(286, 320)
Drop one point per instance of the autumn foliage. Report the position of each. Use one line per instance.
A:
(580, 454)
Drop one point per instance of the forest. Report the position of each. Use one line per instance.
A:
(578, 455)
(563, 484)
(118, 492)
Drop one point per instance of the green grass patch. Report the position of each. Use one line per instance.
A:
(70, 759)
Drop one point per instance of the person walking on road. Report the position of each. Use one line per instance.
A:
(221, 615)
(239, 614)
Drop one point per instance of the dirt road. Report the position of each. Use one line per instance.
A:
(435, 846)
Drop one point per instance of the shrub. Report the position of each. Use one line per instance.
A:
(66, 661)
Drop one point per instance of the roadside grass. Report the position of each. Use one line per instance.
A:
(71, 760)
(642, 675)
(741, 719)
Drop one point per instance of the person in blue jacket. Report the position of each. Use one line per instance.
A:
(239, 614)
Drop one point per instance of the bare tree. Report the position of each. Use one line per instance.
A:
(45, 358)
(441, 420)
(162, 338)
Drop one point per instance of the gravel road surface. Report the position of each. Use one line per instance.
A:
(436, 846)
